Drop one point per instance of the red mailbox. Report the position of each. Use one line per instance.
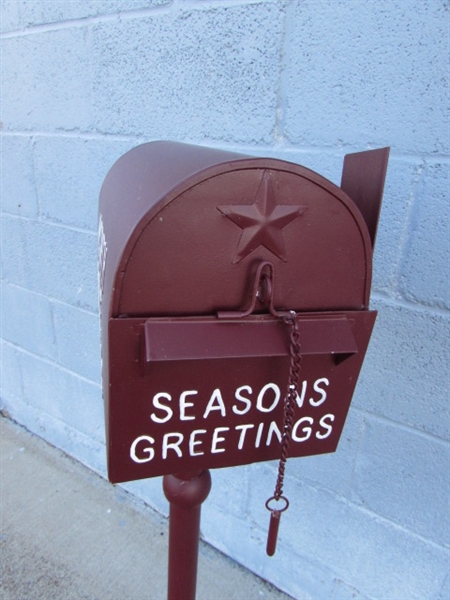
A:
(203, 254)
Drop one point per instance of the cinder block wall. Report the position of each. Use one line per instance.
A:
(303, 80)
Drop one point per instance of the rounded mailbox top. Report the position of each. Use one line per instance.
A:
(182, 230)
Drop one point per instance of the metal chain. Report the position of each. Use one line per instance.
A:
(289, 403)
(288, 422)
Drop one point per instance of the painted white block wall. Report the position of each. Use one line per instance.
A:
(303, 80)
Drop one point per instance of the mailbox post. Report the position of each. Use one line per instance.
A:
(207, 261)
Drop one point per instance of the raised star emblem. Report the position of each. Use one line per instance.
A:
(263, 221)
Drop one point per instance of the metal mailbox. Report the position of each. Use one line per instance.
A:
(202, 255)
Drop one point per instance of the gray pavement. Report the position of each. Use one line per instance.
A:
(67, 534)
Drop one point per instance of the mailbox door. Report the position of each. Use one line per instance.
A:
(189, 394)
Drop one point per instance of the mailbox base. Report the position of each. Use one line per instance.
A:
(185, 492)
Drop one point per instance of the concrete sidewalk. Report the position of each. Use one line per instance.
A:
(68, 534)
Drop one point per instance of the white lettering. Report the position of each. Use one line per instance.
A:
(322, 392)
(184, 405)
(149, 451)
(306, 430)
(273, 428)
(102, 252)
(172, 445)
(193, 442)
(244, 429)
(247, 401)
(259, 401)
(300, 399)
(216, 395)
(259, 434)
(166, 409)
(327, 426)
(216, 439)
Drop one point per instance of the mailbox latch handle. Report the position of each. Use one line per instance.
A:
(262, 290)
